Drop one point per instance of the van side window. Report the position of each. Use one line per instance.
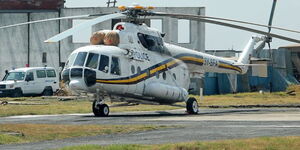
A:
(92, 60)
(79, 61)
(115, 66)
(50, 73)
(41, 74)
(29, 76)
(104, 61)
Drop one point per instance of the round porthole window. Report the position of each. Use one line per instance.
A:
(132, 69)
(174, 75)
(164, 75)
(138, 69)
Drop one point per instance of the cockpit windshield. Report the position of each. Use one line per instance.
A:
(19, 76)
(80, 59)
(71, 60)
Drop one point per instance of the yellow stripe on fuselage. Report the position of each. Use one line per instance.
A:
(230, 67)
(134, 79)
(191, 59)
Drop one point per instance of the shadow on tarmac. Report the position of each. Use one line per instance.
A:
(172, 114)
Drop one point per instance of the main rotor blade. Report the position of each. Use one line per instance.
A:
(183, 16)
(83, 25)
(271, 15)
(199, 18)
(45, 20)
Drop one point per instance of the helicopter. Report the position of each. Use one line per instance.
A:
(132, 61)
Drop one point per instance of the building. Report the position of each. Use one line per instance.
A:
(281, 70)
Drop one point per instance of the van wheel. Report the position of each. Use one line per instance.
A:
(48, 92)
(17, 93)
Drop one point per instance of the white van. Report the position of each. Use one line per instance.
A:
(29, 81)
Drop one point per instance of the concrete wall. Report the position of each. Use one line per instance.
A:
(24, 44)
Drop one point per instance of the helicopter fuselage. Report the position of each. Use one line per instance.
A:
(142, 66)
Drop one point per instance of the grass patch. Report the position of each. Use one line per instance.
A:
(278, 98)
(66, 107)
(84, 106)
(262, 143)
(42, 132)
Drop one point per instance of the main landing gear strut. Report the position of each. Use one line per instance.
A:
(192, 106)
(100, 109)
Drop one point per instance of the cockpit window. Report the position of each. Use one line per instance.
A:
(92, 60)
(70, 60)
(152, 43)
(104, 61)
(115, 66)
(18, 76)
(79, 61)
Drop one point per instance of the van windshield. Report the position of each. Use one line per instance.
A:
(14, 76)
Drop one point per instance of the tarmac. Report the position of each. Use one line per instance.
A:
(209, 124)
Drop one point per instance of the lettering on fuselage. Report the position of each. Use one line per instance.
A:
(210, 62)
(137, 55)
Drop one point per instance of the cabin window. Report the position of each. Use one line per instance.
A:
(174, 75)
(138, 69)
(92, 60)
(132, 69)
(41, 74)
(152, 43)
(50, 73)
(164, 75)
(115, 66)
(104, 61)
(79, 61)
(157, 75)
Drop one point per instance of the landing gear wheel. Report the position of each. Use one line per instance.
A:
(100, 110)
(192, 106)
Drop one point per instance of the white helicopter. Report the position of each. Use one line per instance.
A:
(136, 64)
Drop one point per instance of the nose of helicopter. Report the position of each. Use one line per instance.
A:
(79, 79)
(77, 85)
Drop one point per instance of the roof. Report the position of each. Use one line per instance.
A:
(31, 68)
(291, 46)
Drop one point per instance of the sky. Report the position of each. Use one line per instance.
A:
(218, 37)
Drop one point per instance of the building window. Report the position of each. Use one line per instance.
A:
(184, 31)
(84, 35)
(44, 57)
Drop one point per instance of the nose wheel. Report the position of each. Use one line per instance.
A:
(100, 109)
(192, 106)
